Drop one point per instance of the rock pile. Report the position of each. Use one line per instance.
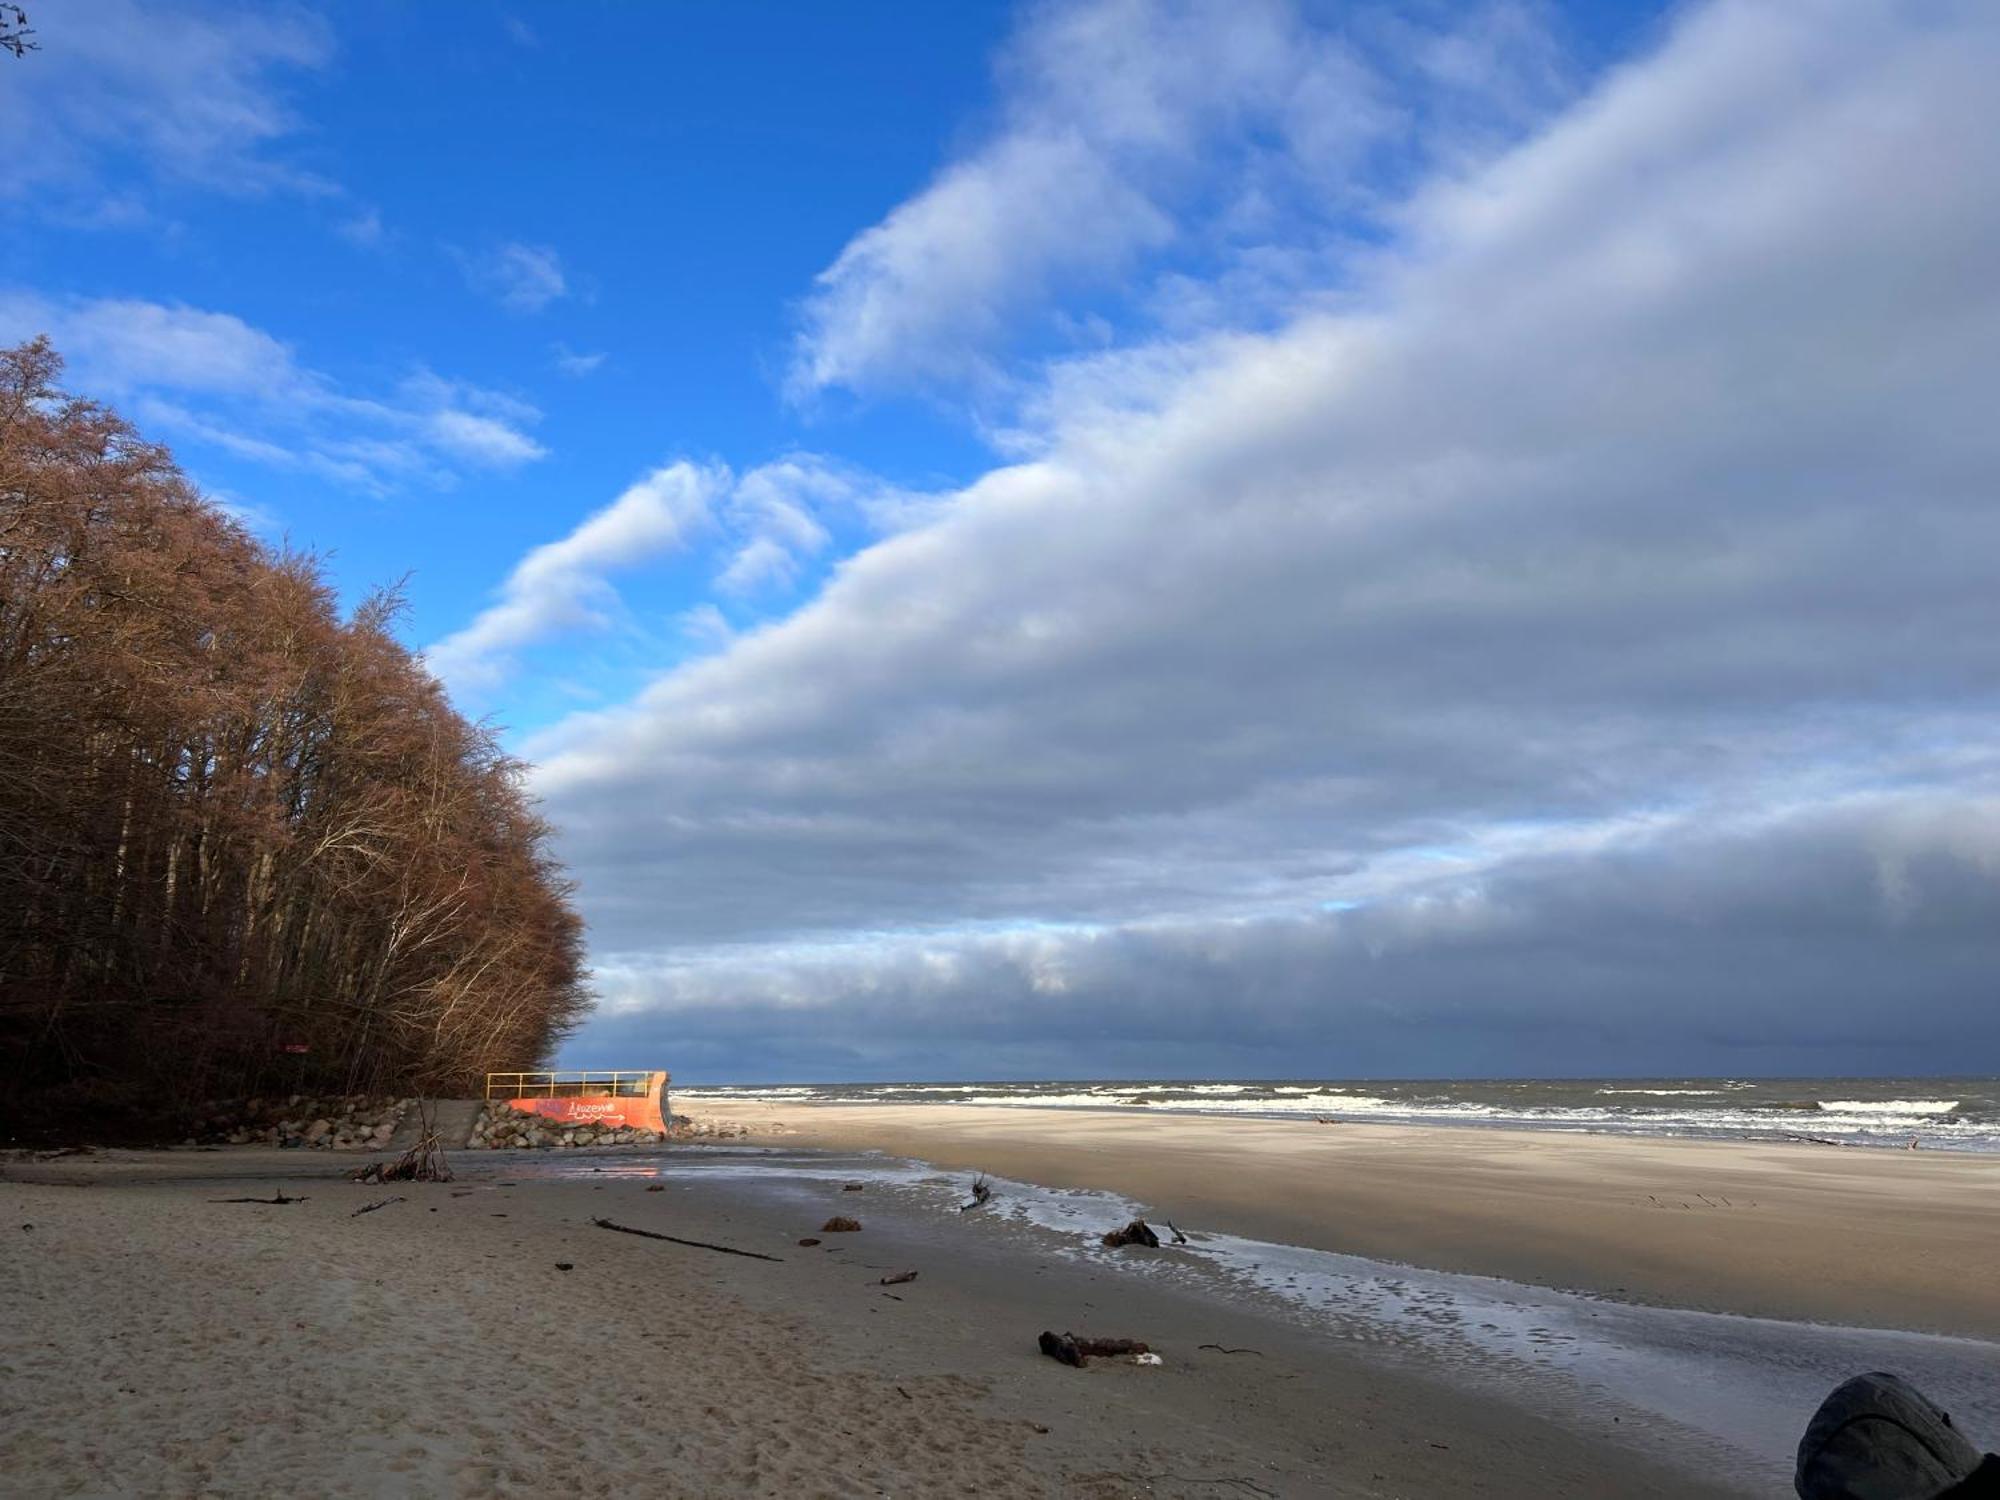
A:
(355, 1121)
(502, 1128)
(711, 1130)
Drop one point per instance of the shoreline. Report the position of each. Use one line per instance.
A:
(1868, 1239)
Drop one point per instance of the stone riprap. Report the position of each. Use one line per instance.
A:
(347, 1123)
(500, 1127)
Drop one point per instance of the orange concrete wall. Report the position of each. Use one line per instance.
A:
(601, 1109)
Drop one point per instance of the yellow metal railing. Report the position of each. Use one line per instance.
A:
(574, 1085)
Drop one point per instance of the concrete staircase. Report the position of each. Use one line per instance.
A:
(453, 1117)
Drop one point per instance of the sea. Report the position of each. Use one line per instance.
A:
(1949, 1114)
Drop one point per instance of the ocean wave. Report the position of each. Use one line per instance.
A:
(1727, 1108)
(1889, 1106)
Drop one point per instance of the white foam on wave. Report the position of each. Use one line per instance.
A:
(1054, 1101)
(1888, 1106)
(1359, 1105)
(1356, 1105)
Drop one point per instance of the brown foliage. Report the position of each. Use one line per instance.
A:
(232, 823)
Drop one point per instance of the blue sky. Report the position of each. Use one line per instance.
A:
(1111, 535)
(607, 220)
(390, 182)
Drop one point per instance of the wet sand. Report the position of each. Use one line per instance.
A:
(162, 1343)
(1864, 1237)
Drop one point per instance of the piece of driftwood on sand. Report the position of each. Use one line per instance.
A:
(1138, 1232)
(692, 1244)
(1069, 1349)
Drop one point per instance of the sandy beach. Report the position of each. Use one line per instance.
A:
(1871, 1238)
(163, 1342)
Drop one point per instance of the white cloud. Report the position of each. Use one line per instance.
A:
(485, 441)
(185, 94)
(212, 377)
(706, 625)
(766, 526)
(776, 513)
(128, 344)
(1132, 126)
(521, 278)
(576, 365)
(926, 292)
(760, 563)
(363, 230)
(1643, 482)
(152, 412)
(563, 585)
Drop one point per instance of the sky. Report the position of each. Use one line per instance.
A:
(1119, 538)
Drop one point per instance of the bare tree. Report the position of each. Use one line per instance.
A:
(15, 32)
(232, 824)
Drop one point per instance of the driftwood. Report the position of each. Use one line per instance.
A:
(1225, 1349)
(1179, 1238)
(279, 1197)
(423, 1162)
(808, 1242)
(898, 1279)
(1816, 1140)
(854, 1187)
(1234, 1482)
(1062, 1348)
(1138, 1232)
(840, 1224)
(693, 1244)
(982, 1194)
(369, 1208)
(1068, 1349)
